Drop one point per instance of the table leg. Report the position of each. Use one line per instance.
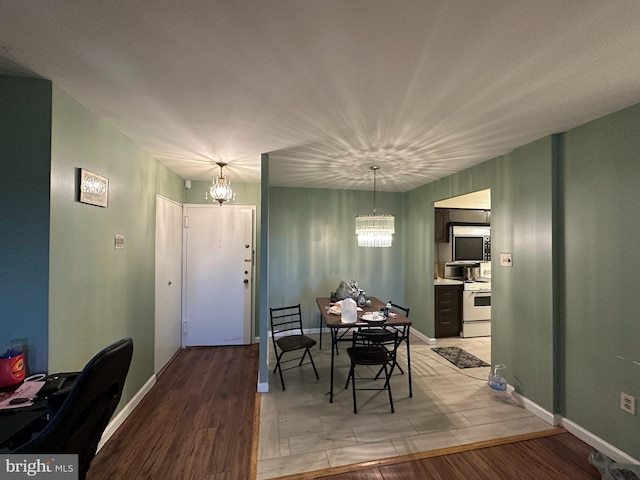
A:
(334, 345)
(407, 332)
(320, 331)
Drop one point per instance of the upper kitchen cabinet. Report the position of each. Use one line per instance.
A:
(445, 216)
(441, 226)
(466, 215)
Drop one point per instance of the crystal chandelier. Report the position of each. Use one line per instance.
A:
(220, 191)
(375, 230)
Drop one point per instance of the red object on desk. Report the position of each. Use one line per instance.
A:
(12, 369)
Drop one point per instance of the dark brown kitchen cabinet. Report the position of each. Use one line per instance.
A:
(448, 310)
(446, 216)
(441, 225)
(467, 215)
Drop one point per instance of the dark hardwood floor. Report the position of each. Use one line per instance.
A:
(195, 423)
(200, 421)
(556, 457)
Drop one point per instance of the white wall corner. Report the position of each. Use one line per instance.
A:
(534, 408)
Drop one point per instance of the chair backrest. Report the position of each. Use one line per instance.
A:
(377, 336)
(403, 310)
(285, 319)
(83, 416)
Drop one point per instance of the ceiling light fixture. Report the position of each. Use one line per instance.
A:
(375, 230)
(220, 191)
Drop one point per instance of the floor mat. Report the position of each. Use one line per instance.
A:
(459, 357)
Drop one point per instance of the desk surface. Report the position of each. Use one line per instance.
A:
(333, 321)
(19, 423)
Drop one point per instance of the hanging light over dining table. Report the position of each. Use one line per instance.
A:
(375, 230)
(220, 191)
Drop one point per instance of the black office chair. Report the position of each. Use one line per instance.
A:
(80, 421)
(373, 348)
(288, 336)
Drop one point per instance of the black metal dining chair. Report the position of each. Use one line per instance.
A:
(373, 347)
(288, 336)
(403, 310)
(404, 337)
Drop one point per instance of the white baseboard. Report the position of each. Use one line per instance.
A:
(534, 408)
(596, 442)
(423, 337)
(576, 430)
(126, 411)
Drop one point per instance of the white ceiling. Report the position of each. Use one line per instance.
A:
(423, 88)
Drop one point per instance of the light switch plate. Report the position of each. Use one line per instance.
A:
(506, 260)
(118, 242)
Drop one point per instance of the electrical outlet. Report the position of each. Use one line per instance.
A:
(627, 403)
(506, 260)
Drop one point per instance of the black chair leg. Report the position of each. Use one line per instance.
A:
(279, 369)
(313, 364)
(388, 386)
(353, 389)
(346, 385)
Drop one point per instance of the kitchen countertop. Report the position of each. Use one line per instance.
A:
(447, 281)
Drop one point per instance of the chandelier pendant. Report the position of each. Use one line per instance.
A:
(220, 191)
(375, 230)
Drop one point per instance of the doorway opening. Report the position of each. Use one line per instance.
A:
(462, 268)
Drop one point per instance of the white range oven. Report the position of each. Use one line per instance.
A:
(476, 309)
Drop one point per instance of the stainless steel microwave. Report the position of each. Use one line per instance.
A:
(471, 243)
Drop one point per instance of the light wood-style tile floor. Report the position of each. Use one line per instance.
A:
(301, 431)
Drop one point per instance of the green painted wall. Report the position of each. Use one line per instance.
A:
(169, 185)
(25, 150)
(99, 294)
(522, 300)
(600, 355)
(312, 247)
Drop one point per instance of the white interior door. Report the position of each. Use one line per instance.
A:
(168, 303)
(218, 274)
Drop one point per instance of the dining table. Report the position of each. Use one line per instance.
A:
(339, 329)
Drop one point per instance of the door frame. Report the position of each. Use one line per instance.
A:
(252, 322)
(156, 367)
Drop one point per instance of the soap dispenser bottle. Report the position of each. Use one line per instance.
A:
(496, 380)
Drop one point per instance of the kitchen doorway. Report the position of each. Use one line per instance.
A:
(462, 266)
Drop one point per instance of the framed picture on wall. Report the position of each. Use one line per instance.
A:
(94, 188)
